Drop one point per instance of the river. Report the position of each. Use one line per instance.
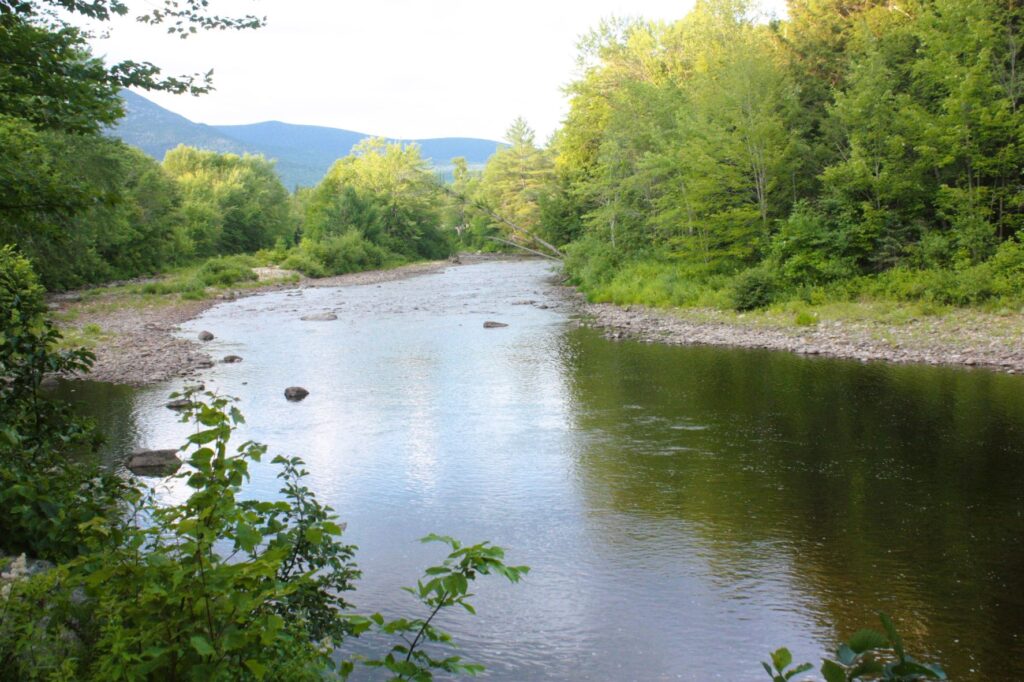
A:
(684, 510)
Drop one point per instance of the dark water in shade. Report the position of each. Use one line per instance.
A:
(684, 510)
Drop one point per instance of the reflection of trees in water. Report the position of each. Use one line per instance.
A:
(111, 406)
(885, 487)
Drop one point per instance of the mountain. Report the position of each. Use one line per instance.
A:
(303, 153)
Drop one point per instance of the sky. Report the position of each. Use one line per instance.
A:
(408, 69)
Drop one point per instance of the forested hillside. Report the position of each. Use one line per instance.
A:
(301, 153)
(854, 149)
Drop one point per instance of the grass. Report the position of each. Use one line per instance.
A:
(86, 336)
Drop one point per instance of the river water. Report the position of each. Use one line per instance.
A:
(683, 510)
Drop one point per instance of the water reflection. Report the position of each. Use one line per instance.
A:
(684, 510)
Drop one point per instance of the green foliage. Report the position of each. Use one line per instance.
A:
(867, 655)
(42, 512)
(349, 252)
(217, 587)
(852, 149)
(227, 270)
(386, 195)
(231, 204)
(442, 587)
(753, 288)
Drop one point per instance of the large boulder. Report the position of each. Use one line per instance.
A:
(295, 393)
(153, 462)
(319, 317)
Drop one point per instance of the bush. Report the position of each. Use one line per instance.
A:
(227, 270)
(49, 484)
(349, 252)
(754, 288)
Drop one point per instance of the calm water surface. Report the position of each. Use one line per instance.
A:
(684, 510)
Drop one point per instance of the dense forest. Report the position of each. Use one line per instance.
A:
(855, 149)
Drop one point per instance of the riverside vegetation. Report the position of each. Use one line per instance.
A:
(854, 151)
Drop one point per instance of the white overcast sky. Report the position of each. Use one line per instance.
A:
(397, 68)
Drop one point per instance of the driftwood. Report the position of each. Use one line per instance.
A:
(553, 251)
(509, 242)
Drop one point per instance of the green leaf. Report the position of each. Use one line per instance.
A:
(256, 668)
(201, 645)
(894, 637)
(833, 672)
(802, 668)
(867, 639)
(781, 658)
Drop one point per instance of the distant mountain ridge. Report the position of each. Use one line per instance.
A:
(303, 152)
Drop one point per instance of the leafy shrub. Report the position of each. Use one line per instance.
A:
(48, 483)
(348, 252)
(227, 270)
(806, 251)
(591, 262)
(754, 288)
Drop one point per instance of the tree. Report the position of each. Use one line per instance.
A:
(386, 193)
(514, 179)
(232, 204)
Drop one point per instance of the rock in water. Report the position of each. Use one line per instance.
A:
(319, 317)
(295, 393)
(205, 336)
(180, 404)
(229, 359)
(491, 324)
(153, 462)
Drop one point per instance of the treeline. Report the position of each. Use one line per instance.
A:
(93, 209)
(86, 208)
(857, 148)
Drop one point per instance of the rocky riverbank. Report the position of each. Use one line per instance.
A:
(137, 343)
(134, 336)
(957, 337)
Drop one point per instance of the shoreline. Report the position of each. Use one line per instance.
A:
(960, 338)
(139, 343)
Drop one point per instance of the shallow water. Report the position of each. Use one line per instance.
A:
(683, 510)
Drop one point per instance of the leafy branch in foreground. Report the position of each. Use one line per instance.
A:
(867, 655)
(442, 587)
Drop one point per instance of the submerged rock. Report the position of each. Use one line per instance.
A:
(179, 404)
(205, 336)
(229, 359)
(295, 393)
(153, 462)
(319, 317)
(491, 324)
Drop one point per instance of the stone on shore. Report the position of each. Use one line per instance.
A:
(154, 462)
(295, 393)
